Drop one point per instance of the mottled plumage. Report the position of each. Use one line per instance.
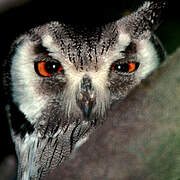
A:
(63, 80)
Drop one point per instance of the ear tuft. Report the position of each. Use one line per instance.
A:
(146, 19)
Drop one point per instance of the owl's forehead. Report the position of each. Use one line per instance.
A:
(87, 38)
(81, 45)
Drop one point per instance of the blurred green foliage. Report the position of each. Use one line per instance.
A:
(169, 33)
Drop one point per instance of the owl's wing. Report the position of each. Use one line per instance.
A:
(39, 153)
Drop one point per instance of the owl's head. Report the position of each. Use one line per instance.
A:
(62, 73)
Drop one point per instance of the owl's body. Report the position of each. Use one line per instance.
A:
(65, 78)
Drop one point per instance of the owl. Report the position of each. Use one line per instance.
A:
(61, 80)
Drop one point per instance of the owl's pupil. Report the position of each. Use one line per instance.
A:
(121, 67)
(52, 67)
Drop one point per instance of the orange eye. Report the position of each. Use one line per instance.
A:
(48, 68)
(126, 67)
(132, 66)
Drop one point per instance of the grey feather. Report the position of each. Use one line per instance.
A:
(145, 20)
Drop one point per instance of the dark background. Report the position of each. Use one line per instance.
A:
(16, 18)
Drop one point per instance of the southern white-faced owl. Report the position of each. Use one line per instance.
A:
(61, 81)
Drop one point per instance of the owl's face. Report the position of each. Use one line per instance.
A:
(78, 74)
(64, 79)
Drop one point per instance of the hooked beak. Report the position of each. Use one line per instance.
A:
(86, 97)
(86, 103)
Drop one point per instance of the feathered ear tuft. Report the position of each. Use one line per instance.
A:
(146, 19)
